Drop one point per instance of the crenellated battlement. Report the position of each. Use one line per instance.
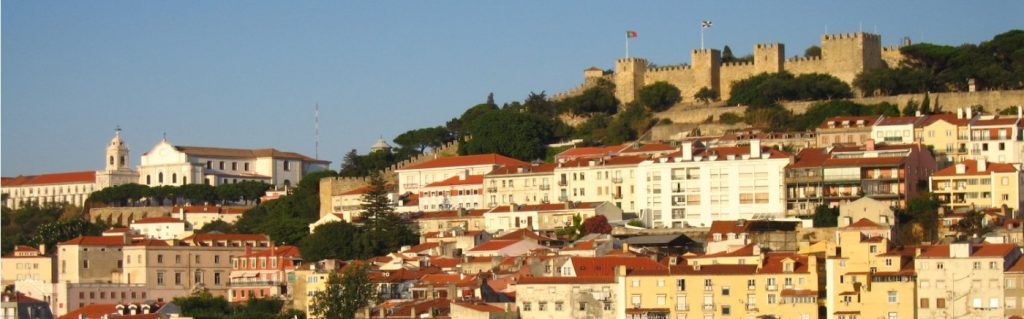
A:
(803, 59)
(631, 59)
(891, 48)
(703, 51)
(737, 64)
(670, 68)
(851, 36)
(768, 45)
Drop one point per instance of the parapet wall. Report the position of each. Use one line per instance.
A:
(125, 215)
(948, 101)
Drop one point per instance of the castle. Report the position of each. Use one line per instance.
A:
(843, 55)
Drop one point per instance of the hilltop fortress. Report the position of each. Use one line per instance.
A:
(843, 55)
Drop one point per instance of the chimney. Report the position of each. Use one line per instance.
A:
(181, 214)
(982, 165)
(959, 250)
(961, 168)
(968, 111)
(126, 238)
(917, 113)
(1020, 111)
(687, 151)
(755, 148)
(512, 207)
(959, 113)
(42, 249)
(869, 144)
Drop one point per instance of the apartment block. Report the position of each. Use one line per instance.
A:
(963, 280)
(979, 184)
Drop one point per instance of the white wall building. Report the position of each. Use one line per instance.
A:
(168, 164)
(998, 138)
(163, 228)
(701, 185)
(412, 178)
(896, 130)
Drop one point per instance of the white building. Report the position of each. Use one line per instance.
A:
(998, 138)
(456, 192)
(896, 130)
(163, 228)
(412, 178)
(700, 185)
(70, 187)
(168, 164)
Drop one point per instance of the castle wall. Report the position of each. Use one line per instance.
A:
(732, 72)
(681, 76)
(798, 66)
(848, 54)
(891, 56)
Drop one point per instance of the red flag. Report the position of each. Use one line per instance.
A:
(630, 34)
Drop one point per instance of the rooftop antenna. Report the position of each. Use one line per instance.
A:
(316, 131)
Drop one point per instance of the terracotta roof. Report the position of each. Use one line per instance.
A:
(91, 311)
(745, 251)
(157, 220)
(733, 226)
(977, 250)
(526, 169)
(284, 251)
(810, 157)
(611, 161)
(468, 160)
(773, 262)
(54, 178)
(868, 121)
(456, 180)
(494, 245)
(481, 307)
(444, 262)
(999, 121)
(900, 120)
(596, 151)
(546, 207)
(453, 214)
(583, 245)
(242, 153)
(421, 247)
(21, 298)
(567, 280)
(971, 168)
(945, 117)
(215, 237)
(605, 265)
(864, 223)
(96, 241)
(25, 249)
(520, 234)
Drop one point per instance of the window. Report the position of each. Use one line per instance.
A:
(924, 303)
(159, 279)
(542, 306)
(216, 278)
(993, 265)
(583, 306)
(751, 284)
(681, 302)
(725, 290)
(221, 165)
(1010, 303)
(893, 297)
(726, 310)
(681, 284)
(661, 299)
(940, 303)
(216, 259)
(636, 283)
(873, 249)
(634, 300)
(558, 306)
(85, 264)
(246, 167)
(892, 315)
(977, 265)
(209, 164)
(287, 166)
(234, 166)
(177, 278)
(526, 306)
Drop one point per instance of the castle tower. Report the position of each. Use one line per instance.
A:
(629, 78)
(707, 66)
(848, 54)
(116, 170)
(769, 57)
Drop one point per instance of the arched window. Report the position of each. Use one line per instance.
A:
(160, 178)
(122, 161)
(148, 180)
(111, 160)
(287, 183)
(184, 180)
(174, 178)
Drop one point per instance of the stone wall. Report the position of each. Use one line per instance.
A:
(948, 101)
(125, 215)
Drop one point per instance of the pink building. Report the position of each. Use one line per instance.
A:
(263, 274)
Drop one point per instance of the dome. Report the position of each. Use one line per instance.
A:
(380, 145)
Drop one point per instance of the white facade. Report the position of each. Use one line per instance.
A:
(701, 186)
(997, 138)
(896, 131)
(163, 228)
(167, 164)
(412, 178)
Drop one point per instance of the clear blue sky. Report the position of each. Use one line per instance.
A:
(247, 73)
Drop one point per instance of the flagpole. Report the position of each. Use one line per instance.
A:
(702, 37)
(627, 46)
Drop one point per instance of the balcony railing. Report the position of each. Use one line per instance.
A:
(257, 283)
(563, 198)
(617, 196)
(773, 287)
(617, 180)
(492, 189)
(545, 187)
(709, 307)
(562, 182)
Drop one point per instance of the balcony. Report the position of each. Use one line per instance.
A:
(803, 179)
(617, 180)
(708, 288)
(563, 182)
(492, 205)
(410, 186)
(842, 178)
(563, 198)
(257, 283)
(617, 196)
(709, 307)
(773, 287)
(752, 308)
(492, 189)
(545, 187)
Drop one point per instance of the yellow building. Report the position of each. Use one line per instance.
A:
(867, 278)
(738, 284)
(947, 134)
(963, 280)
(979, 184)
(28, 263)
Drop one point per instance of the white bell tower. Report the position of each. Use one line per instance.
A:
(116, 170)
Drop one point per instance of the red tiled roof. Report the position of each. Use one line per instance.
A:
(359, 190)
(242, 153)
(611, 161)
(520, 234)
(526, 169)
(422, 247)
(773, 263)
(284, 251)
(900, 120)
(597, 151)
(999, 121)
(747, 250)
(810, 157)
(54, 178)
(568, 280)
(456, 180)
(583, 245)
(1018, 266)
(481, 307)
(24, 249)
(157, 220)
(96, 241)
(445, 262)
(977, 250)
(605, 265)
(946, 117)
(972, 169)
(91, 311)
(215, 237)
(868, 121)
(866, 223)
(468, 160)
(21, 298)
(494, 245)
(453, 214)
(150, 243)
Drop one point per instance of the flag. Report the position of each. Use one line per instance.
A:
(630, 34)
(705, 24)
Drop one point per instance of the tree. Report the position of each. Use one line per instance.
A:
(825, 216)
(572, 231)
(598, 99)
(730, 118)
(766, 89)
(636, 223)
(812, 52)
(323, 242)
(203, 305)
(973, 225)
(910, 109)
(597, 224)
(706, 95)
(659, 96)
(52, 233)
(926, 104)
(219, 226)
(515, 134)
(385, 230)
(345, 294)
(420, 139)
(727, 55)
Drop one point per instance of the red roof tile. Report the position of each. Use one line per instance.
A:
(605, 265)
(971, 168)
(494, 245)
(810, 157)
(422, 247)
(25, 249)
(611, 161)
(91, 311)
(96, 241)
(54, 178)
(900, 120)
(481, 307)
(456, 180)
(568, 280)
(868, 121)
(523, 169)
(945, 117)
(591, 151)
(866, 223)
(977, 250)
(468, 160)
(215, 237)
